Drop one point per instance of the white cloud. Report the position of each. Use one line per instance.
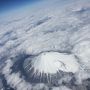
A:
(13, 79)
(52, 28)
(61, 88)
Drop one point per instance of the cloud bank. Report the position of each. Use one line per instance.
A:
(48, 49)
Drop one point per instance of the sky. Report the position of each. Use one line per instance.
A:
(11, 4)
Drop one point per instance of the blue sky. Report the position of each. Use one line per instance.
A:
(8, 5)
(11, 4)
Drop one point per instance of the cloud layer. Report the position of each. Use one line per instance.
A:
(27, 35)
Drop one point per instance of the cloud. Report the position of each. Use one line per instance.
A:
(27, 35)
(13, 79)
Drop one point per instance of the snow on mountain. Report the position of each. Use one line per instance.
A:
(52, 62)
